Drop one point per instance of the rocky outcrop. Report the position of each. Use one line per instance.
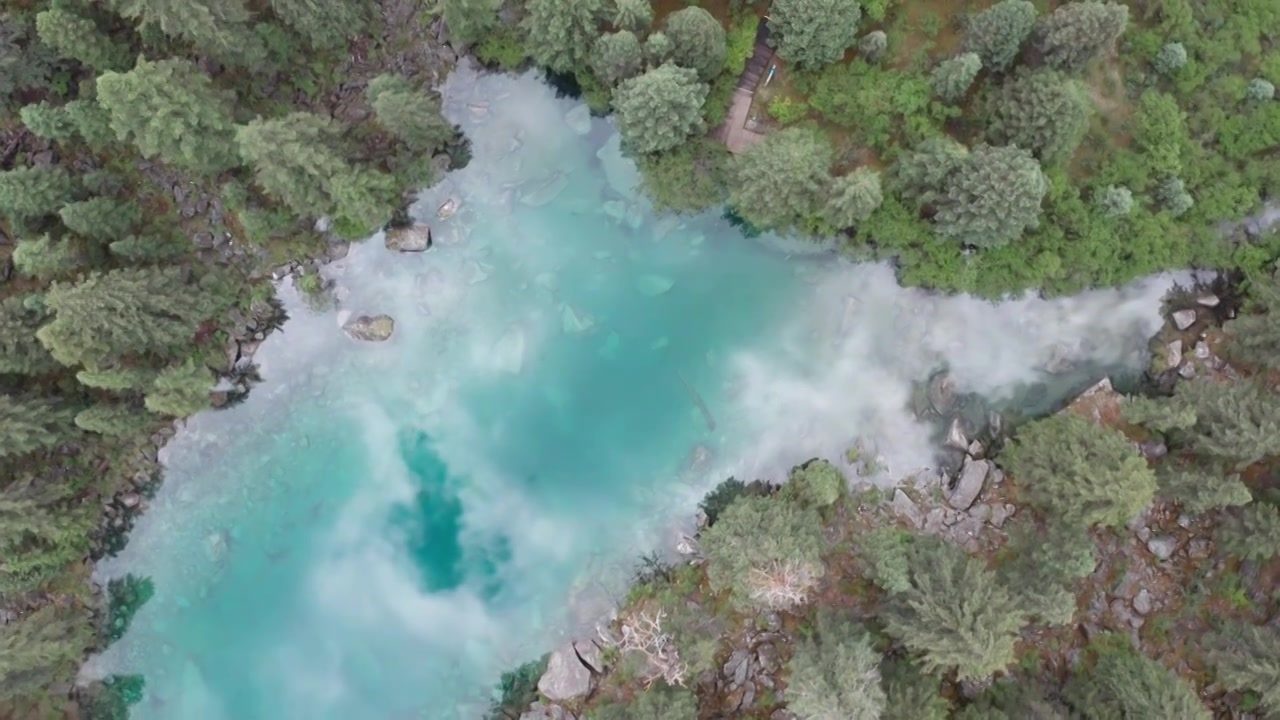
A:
(973, 476)
(410, 238)
(566, 677)
(370, 328)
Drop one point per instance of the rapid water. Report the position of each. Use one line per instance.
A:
(381, 529)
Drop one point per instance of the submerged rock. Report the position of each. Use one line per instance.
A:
(541, 192)
(370, 328)
(509, 351)
(566, 677)
(654, 285)
(411, 238)
(448, 208)
(579, 119)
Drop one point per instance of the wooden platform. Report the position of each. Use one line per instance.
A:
(734, 132)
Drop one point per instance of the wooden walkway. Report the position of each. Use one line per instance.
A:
(735, 132)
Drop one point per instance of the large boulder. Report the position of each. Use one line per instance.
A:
(566, 677)
(973, 474)
(370, 328)
(410, 238)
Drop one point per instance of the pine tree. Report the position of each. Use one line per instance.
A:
(766, 553)
(119, 378)
(155, 246)
(854, 197)
(660, 109)
(218, 26)
(44, 258)
(617, 57)
(171, 111)
(469, 20)
(657, 49)
(1044, 567)
(33, 192)
(1247, 658)
(1124, 684)
(1080, 472)
(1042, 111)
(123, 312)
(42, 532)
(911, 694)
(992, 197)
(1198, 489)
(835, 674)
(115, 419)
(101, 218)
(25, 62)
(956, 613)
(697, 41)
(561, 32)
(30, 424)
(782, 181)
(180, 390)
(1252, 533)
(1114, 201)
(1078, 32)
(656, 703)
(953, 77)
(92, 121)
(1235, 422)
(633, 15)
(412, 115)
(324, 23)
(922, 174)
(997, 33)
(20, 351)
(42, 648)
(816, 484)
(48, 121)
(77, 37)
(813, 33)
(1252, 338)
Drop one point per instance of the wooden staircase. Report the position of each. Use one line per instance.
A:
(758, 65)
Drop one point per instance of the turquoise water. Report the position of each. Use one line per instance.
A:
(381, 529)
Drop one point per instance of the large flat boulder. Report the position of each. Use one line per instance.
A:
(566, 677)
(973, 475)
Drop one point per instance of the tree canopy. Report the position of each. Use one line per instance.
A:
(813, 33)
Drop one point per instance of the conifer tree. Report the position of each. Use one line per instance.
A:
(42, 531)
(1197, 488)
(27, 62)
(41, 648)
(77, 37)
(697, 41)
(20, 351)
(48, 121)
(813, 33)
(1045, 566)
(991, 198)
(997, 33)
(469, 20)
(33, 192)
(1042, 111)
(327, 24)
(101, 218)
(114, 419)
(657, 49)
(45, 258)
(1235, 422)
(1124, 684)
(956, 613)
(816, 484)
(782, 181)
(1247, 658)
(633, 15)
(658, 110)
(121, 313)
(617, 57)
(655, 703)
(921, 174)
(854, 197)
(92, 121)
(911, 694)
(180, 390)
(1252, 533)
(117, 378)
(1080, 472)
(561, 32)
(154, 246)
(171, 111)
(1078, 32)
(218, 26)
(953, 76)
(412, 115)
(1253, 337)
(835, 674)
(765, 553)
(30, 424)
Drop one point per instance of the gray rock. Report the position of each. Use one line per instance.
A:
(906, 508)
(590, 655)
(956, 437)
(412, 238)
(972, 476)
(1201, 350)
(980, 512)
(1198, 549)
(130, 500)
(941, 393)
(1001, 514)
(1187, 371)
(1208, 300)
(742, 671)
(1142, 602)
(1183, 319)
(375, 328)
(748, 695)
(933, 522)
(566, 677)
(448, 208)
(1173, 354)
(977, 450)
(1162, 546)
(1143, 533)
(736, 660)
(767, 656)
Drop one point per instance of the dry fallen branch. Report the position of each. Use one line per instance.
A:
(782, 585)
(642, 633)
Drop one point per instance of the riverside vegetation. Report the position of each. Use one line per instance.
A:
(159, 157)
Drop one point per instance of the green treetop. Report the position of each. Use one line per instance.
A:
(782, 181)
(697, 41)
(180, 390)
(633, 15)
(1251, 532)
(411, 114)
(813, 33)
(991, 198)
(911, 694)
(1124, 684)
(1078, 32)
(77, 37)
(835, 674)
(42, 531)
(30, 424)
(854, 197)
(45, 258)
(1042, 111)
(469, 20)
(1197, 488)
(617, 57)
(1079, 472)
(101, 218)
(921, 174)
(20, 351)
(325, 25)
(766, 553)
(32, 192)
(47, 644)
(655, 703)
(50, 122)
(1237, 423)
(172, 111)
(1247, 658)
(1114, 201)
(953, 77)
(660, 109)
(115, 419)
(219, 26)
(561, 32)
(997, 33)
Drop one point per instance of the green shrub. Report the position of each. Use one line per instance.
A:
(766, 552)
(788, 111)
